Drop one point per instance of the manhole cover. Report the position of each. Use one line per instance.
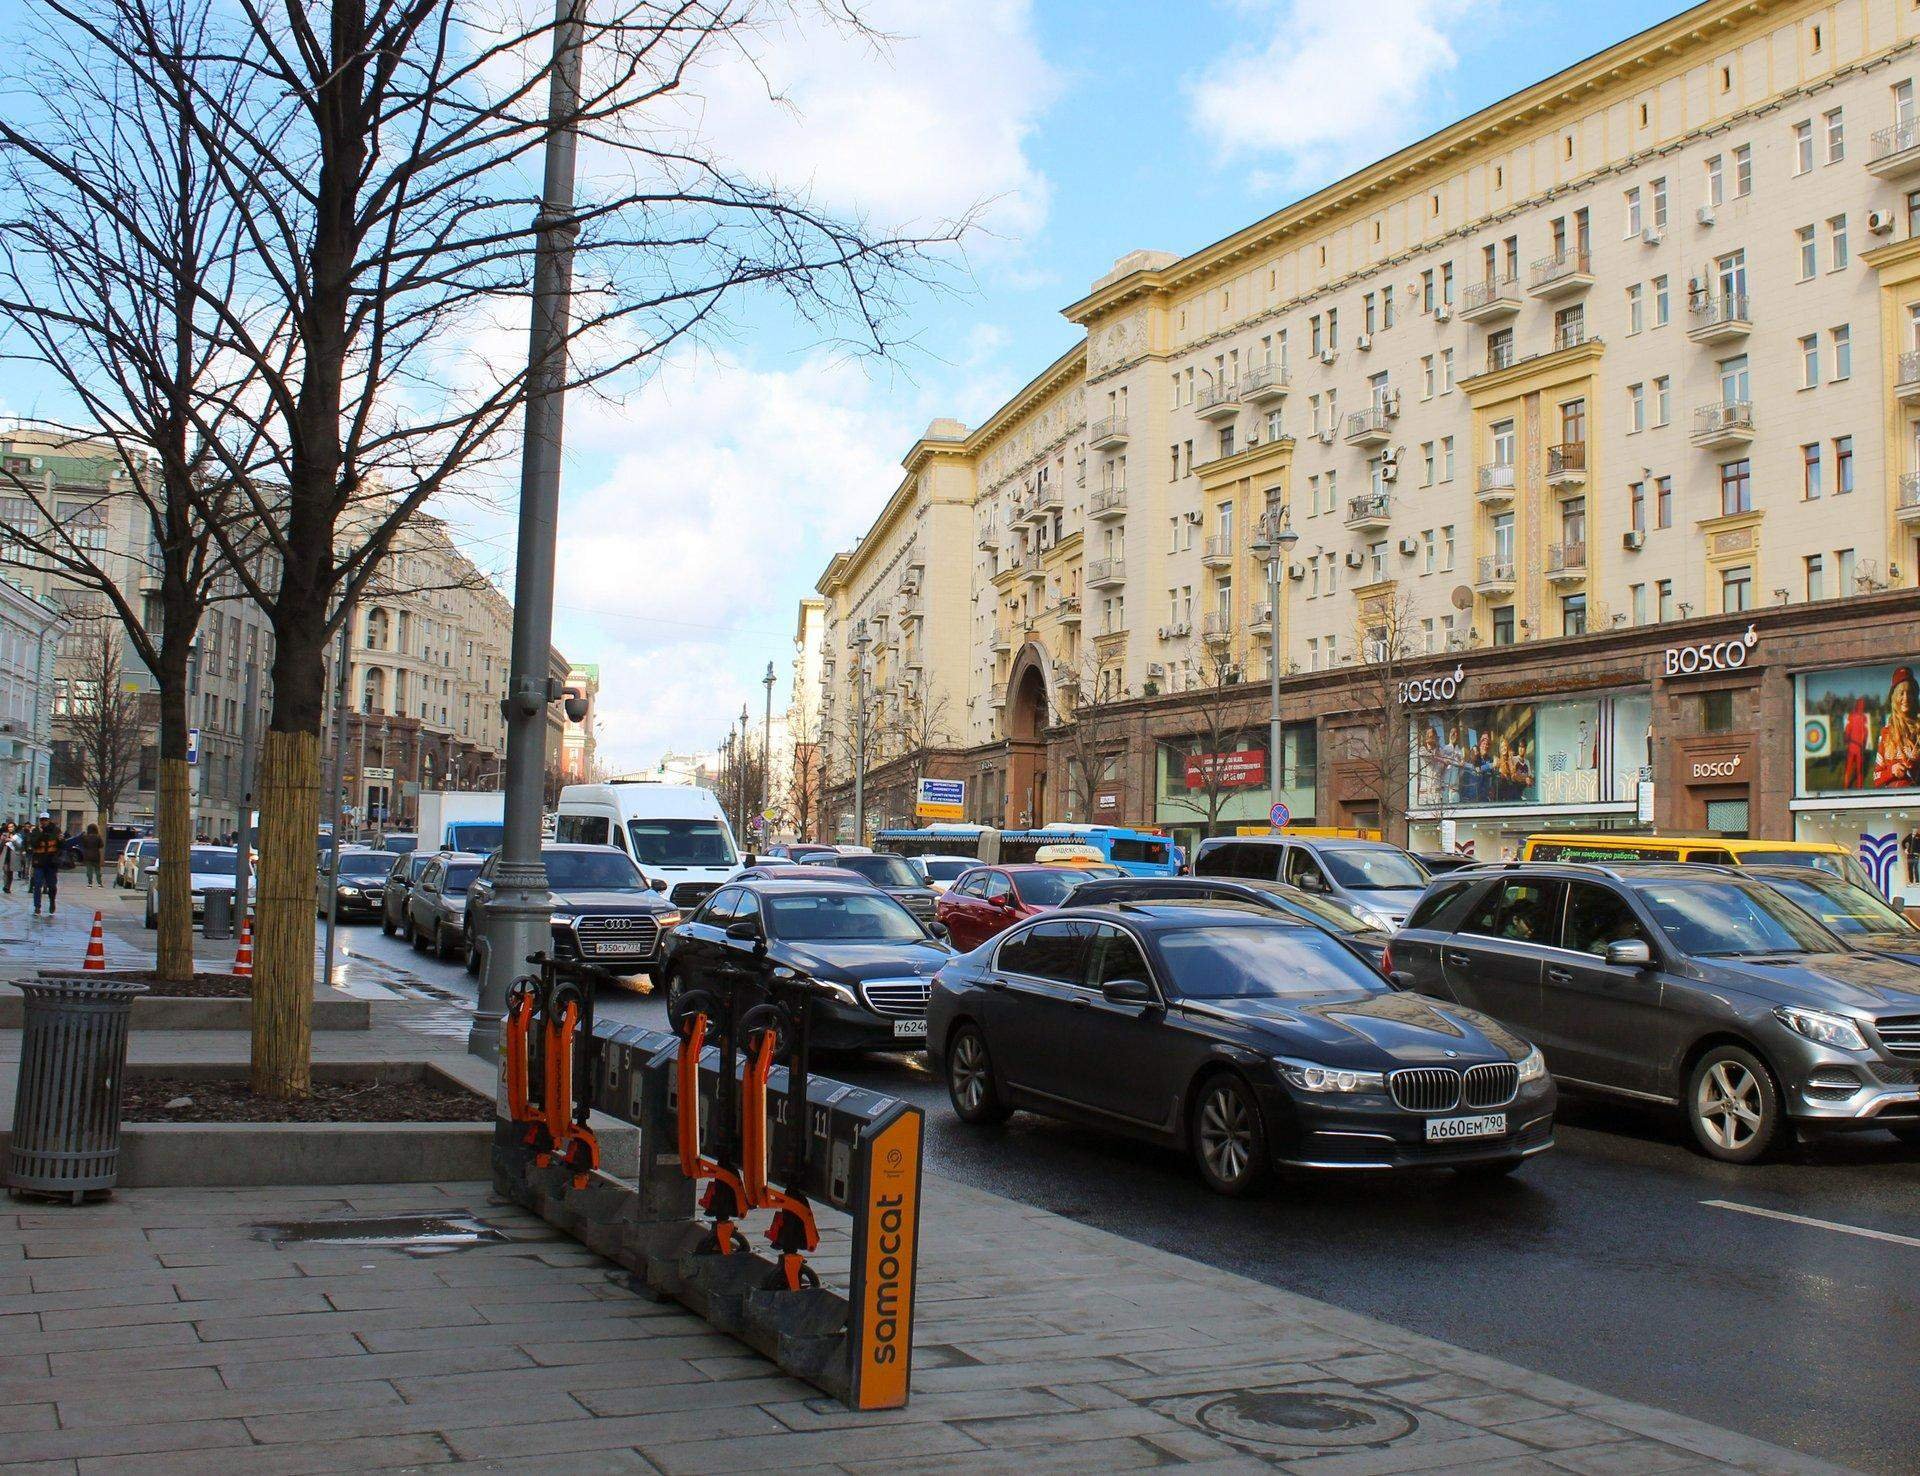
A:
(1294, 1419)
(419, 1235)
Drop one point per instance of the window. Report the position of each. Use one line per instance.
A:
(1662, 400)
(1427, 377)
(1810, 361)
(1637, 507)
(1904, 112)
(1446, 458)
(1842, 465)
(1816, 576)
(1638, 593)
(1426, 463)
(1736, 488)
(1810, 471)
(1446, 540)
(1660, 306)
(1446, 371)
(1659, 188)
(1735, 381)
(1663, 591)
(1633, 212)
(1803, 147)
(1843, 563)
(1743, 171)
(1809, 253)
(1596, 917)
(1503, 625)
(1716, 182)
(1663, 502)
(1736, 589)
(1432, 552)
(1836, 135)
(1636, 408)
(1841, 339)
(1519, 911)
(1636, 309)
(1573, 615)
(1837, 257)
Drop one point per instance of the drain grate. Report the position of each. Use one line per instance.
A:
(1293, 1420)
(418, 1235)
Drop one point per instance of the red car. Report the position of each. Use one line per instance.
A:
(988, 900)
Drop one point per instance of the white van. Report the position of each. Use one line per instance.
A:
(675, 833)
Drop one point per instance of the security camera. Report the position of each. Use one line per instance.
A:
(575, 707)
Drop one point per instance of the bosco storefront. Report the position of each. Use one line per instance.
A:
(1857, 767)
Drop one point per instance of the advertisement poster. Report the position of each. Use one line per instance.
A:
(1475, 756)
(1859, 730)
(1242, 769)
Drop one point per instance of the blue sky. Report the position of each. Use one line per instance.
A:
(699, 507)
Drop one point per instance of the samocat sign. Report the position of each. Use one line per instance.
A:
(1244, 768)
(1710, 655)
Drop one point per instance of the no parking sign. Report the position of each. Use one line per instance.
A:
(1279, 815)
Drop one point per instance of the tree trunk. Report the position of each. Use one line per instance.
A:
(284, 892)
(173, 820)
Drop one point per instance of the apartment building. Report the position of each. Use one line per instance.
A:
(796, 760)
(29, 638)
(579, 742)
(1635, 347)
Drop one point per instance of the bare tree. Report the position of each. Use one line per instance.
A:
(383, 157)
(1094, 733)
(1378, 745)
(102, 720)
(1226, 721)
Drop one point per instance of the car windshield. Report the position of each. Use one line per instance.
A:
(478, 835)
(1832, 862)
(591, 871)
(681, 843)
(400, 845)
(1849, 910)
(882, 871)
(840, 917)
(1260, 962)
(365, 863)
(1372, 868)
(417, 862)
(945, 871)
(1721, 918)
(210, 858)
(459, 878)
(1329, 914)
(1049, 888)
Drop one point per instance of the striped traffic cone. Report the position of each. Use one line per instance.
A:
(243, 955)
(96, 962)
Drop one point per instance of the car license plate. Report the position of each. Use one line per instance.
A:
(910, 1029)
(1488, 1125)
(603, 950)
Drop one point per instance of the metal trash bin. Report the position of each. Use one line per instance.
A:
(66, 1108)
(216, 919)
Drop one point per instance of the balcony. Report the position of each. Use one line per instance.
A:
(1494, 486)
(1106, 573)
(1907, 507)
(1002, 641)
(1033, 569)
(1719, 317)
(1216, 627)
(1491, 300)
(1109, 432)
(1564, 275)
(1496, 577)
(1369, 427)
(1222, 403)
(988, 541)
(1723, 426)
(1894, 153)
(1263, 384)
(1906, 381)
(1567, 464)
(1567, 562)
(1217, 551)
(1369, 512)
(881, 612)
(1108, 502)
(1069, 610)
(1570, 335)
(1043, 505)
(912, 609)
(1260, 622)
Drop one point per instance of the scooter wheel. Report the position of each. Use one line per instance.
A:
(684, 1006)
(767, 1018)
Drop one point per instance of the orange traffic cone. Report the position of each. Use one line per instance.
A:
(96, 962)
(243, 955)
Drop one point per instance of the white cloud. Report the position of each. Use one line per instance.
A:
(1329, 86)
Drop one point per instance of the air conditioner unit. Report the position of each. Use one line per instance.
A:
(1696, 288)
(1442, 314)
(1155, 669)
(1364, 342)
(1705, 215)
(1390, 456)
(1409, 546)
(1327, 355)
(1633, 540)
(1389, 471)
(1391, 404)
(1652, 236)
(1161, 633)
(1327, 435)
(1296, 572)
(1355, 558)
(1195, 518)
(1879, 222)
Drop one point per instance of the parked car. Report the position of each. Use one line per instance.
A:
(894, 875)
(1329, 917)
(942, 872)
(1703, 989)
(1251, 1039)
(405, 872)
(1439, 863)
(399, 842)
(1858, 915)
(990, 899)
(873, 959)
(131, 869)
(795, 871)
(211, 870)
(1380, 882)
(604, 910)
(799, 850)
(360, 889)
(437, 903)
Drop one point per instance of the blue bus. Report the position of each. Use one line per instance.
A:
(1136, 852)
(938, 840)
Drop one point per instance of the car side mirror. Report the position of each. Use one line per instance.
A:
(1127, 992)
(1629, 953)
(1311, 881)
(940, 930)
(746, 930)
(1008, 901)
(659, 884)
(1402, 980)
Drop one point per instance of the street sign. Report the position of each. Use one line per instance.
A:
(1279, 815)
(193, 745)
(941, 799)
(379, 776)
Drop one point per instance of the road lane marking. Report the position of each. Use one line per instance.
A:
(1767, 1214)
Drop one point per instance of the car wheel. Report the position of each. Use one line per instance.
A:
(473, 958)
(416, 941)
(1229, 1139)
(1733, 1105)
(386, 923)
(970, 1082)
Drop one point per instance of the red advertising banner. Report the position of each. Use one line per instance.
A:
(1244, 768)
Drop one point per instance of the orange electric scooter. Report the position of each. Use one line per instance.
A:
(725, 1198)
(553, 1116)
(772, 1032)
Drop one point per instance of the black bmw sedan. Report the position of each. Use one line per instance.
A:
(1253, 1041)
(873, 960)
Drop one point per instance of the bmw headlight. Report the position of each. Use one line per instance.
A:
(1533, 1066)
(1821, 1028)
(1310, 1076)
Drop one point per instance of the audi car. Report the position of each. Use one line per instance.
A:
(872, 959)
(1253, 1040)
(604, 911)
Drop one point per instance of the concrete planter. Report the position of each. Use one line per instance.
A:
(331, 1011)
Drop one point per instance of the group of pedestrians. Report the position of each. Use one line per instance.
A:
(31, 854)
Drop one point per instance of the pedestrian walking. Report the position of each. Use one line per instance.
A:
(93, 850)
(13, 854)
(43, 856)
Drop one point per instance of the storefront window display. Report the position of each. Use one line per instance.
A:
(1196, 790)
(1857, 769)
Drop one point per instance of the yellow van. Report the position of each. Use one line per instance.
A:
(1711, 849)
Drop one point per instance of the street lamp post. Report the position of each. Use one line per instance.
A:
(766, 747)
(746, 766)
(861, 640)
(1272, 544)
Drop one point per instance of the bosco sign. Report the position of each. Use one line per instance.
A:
(1432, 689)
(1711, 655)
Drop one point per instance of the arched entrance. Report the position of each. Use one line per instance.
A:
(1029, 714)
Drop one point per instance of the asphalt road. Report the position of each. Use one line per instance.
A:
(1621, 1260)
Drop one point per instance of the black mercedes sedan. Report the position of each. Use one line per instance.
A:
(604, 911)
(894, 875)
(1329, 917)
(873, 960)
(1252, 1040)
